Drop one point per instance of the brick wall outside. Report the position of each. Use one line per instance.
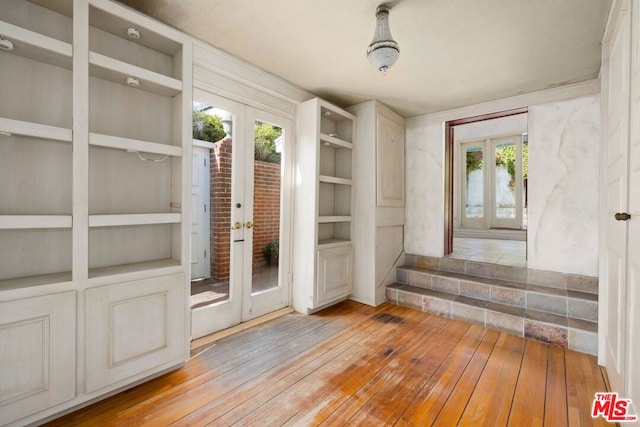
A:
(266, 209)
(221, 210)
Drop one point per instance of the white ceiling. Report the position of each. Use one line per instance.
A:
(452, 52)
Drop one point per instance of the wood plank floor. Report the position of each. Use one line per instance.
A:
(364, 366)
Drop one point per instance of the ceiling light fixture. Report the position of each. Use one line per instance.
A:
(383, 51)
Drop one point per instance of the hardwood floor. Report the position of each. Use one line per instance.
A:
(364, 366)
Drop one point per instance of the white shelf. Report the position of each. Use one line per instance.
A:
(108, 141)
(109, 17)
(26, 282)
(333, 142)
(333, 243)
(334, 180)
(169, 263)
(331, 219)
(32, 45)
(35, 130)
(111, 69)
(21, 222)
(133, 219)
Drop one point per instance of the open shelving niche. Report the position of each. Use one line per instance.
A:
(134, 175)
(334, 179)
(35, 146)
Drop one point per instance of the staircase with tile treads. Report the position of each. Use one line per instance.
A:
(547, 306)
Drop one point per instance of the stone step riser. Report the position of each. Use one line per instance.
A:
(537, 298)
(573, 282)
(574, 338)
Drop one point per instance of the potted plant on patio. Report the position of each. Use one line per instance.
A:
(271, 252)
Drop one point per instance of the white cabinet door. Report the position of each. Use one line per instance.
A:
(335, 274)
(37, 354)
(390, 163)
(134, 329)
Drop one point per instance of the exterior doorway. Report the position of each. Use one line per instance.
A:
(486, 187)
(241, 196)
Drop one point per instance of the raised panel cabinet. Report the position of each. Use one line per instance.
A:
(335, 274)
(133, 327)
(37, 354)
(389, 162)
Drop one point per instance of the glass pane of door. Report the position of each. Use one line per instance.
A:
(213, 126)
(267, 194)
(505, 180)
(474, 183)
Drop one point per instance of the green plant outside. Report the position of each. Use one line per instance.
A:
(505, 156)
(271, 252)
(265, 136)
(207, 127)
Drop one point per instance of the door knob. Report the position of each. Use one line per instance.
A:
(249, 224)
(237, 226)
(622, 216)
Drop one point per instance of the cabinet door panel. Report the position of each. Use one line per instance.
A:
(390, 163)
(37, 354)
(134, 328)
(335, 274)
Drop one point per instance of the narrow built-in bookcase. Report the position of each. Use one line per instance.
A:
(95, 131)
(323, 231)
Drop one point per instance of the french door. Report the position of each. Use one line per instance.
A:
(248, 200)
(493, 192)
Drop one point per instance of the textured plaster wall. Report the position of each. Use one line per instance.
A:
(564, 187)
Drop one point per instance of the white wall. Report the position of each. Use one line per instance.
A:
(564, 190)
(564, 126)
(424, 210)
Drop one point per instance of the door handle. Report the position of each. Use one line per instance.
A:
(622, 216)
(237, 226)
(250, 224)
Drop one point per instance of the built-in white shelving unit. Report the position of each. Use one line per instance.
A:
(323, 272)
(95, 152)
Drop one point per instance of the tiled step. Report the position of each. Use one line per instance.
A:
(567, 281)
(553, 315)
(563, 302)
(576, 334)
